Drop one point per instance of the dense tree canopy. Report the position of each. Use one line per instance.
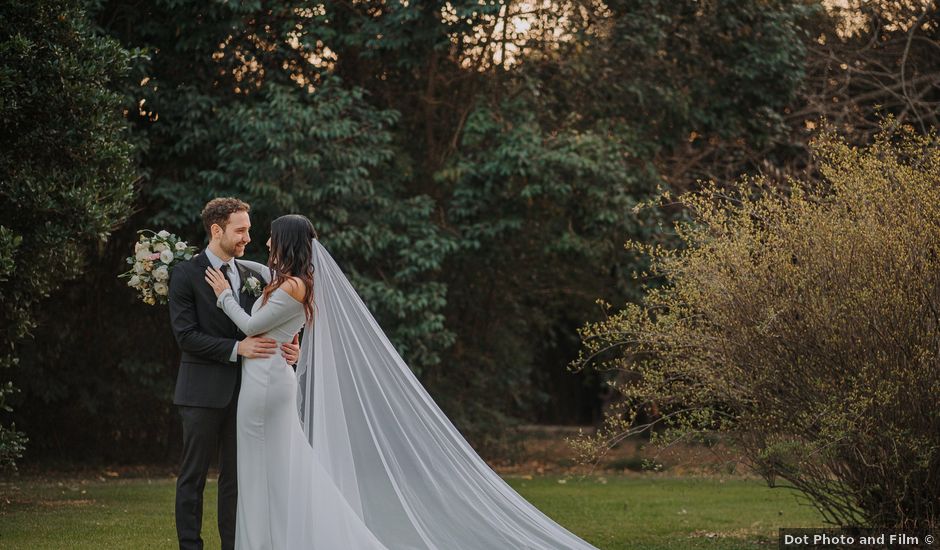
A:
(474, 166)
(65, 170)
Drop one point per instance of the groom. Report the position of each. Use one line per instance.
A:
(210, 369)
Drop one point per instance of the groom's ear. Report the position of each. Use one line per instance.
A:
(215, 231)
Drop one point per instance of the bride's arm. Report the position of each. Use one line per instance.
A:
(277, 310)
(279, 307)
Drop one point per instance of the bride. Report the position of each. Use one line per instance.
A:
(350, 452)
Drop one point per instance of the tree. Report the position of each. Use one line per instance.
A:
(227, 100)
(461, 158)
(802, 323)
(246, 103)
(535, 143)
(869, 60)
(65, 174)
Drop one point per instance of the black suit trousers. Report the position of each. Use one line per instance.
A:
(206, 431)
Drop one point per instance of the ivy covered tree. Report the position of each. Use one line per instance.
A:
(65, 174)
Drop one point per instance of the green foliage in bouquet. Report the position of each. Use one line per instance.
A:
(155, 255)
(802, 321)
(65, 173)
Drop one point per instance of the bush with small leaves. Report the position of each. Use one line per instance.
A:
(802, 321)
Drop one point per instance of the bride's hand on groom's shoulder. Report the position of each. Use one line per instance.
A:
(216, 280)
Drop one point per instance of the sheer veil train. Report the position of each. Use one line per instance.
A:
(397, 461)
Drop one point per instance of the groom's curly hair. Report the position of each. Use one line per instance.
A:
(219, 209)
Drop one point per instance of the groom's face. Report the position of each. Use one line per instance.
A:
(234, 238)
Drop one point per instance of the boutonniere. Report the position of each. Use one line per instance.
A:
(252, 286)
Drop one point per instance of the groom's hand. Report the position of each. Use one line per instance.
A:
(254, 347)
(291, 351)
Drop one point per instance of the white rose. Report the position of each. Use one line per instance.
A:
(180, 245)
(161, 273)
(167, 256)
(139, 268)
(160, 247)
(134, 281)
(137, 247)
(143, 253)
(160, 288)
(163, 233)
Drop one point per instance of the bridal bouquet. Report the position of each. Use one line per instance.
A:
(155, 255)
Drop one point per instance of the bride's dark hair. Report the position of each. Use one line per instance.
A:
(291, 255)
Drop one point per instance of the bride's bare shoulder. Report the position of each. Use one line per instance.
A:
(295, 287)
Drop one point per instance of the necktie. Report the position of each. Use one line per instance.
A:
(224, 269)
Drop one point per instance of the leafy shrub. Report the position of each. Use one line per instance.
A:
(803, 322)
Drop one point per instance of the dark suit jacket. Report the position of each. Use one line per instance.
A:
(206, 336)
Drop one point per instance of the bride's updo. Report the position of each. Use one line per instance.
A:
(291, 255)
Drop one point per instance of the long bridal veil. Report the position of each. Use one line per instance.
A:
(397, 461)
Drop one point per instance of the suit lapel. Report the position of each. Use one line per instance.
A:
(201, 260)
(204, 292)
(245, 299)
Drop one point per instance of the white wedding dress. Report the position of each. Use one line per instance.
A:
(351, 452)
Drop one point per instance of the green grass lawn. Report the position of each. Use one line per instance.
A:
(648, 513)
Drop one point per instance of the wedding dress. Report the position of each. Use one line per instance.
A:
(371, 462)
